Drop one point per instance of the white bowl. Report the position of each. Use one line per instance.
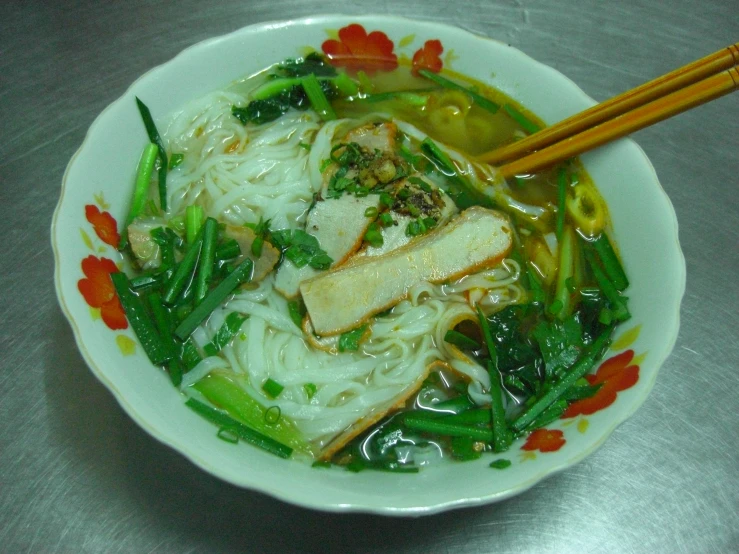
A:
(643, 219)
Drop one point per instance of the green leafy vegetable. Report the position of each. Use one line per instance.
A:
(301, 248)
(618, 303)
(562, 303)
(561, 197)
(349, 341)
(297, 83)
(194, 216)
(313, 63)
(228, 250)
(578, 370)
(465, 448)
(561, 343)
(164, 324)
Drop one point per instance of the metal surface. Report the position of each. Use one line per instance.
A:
(76, 475)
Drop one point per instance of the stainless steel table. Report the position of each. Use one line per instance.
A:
(76, 475)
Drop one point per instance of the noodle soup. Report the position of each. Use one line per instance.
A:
(327, 272)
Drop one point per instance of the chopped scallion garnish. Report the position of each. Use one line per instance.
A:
(175, 160)
(374, 235)
(349, 341)
(272, 388)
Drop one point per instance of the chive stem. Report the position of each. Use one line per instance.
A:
(244, 432)
(204, 269)
(561, 197)
(617, 302)
(194, 216)
(140, 320)
(437, 427)
(461, 191)
(460, 340)
(502, 436)
(469, 417)
(140, 189)
(562, 297)
(527, 125)
(163, 322)
(478, 99)
(610, 261)
(242, 273)
(183, 274)
(155, 137)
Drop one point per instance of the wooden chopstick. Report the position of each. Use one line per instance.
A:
(675, 80)
(622, 125)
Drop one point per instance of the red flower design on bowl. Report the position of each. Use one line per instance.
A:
(105, 226)
(427, 57)
(98, 291)
(357, 50)
(614, 375)
(545, 440)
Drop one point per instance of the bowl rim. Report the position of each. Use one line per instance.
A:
(359, 507)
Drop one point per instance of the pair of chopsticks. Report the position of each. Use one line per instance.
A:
(671, 94)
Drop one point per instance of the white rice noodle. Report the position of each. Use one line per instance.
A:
(241, 173)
